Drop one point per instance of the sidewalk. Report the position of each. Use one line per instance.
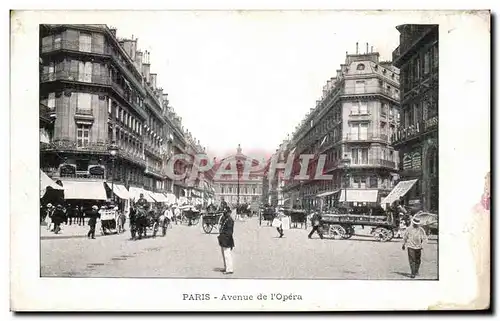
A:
(66, 231)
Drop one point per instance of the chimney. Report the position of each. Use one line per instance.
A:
(138, 60)
(367, 47)
(113, 31)
(357, 48)
(152, 80)
(145, 69)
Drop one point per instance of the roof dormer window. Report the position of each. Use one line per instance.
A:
(360, 67)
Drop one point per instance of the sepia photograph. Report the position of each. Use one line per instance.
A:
(243, 146)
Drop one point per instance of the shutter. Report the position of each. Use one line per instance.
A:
(88, 72)
(81, 71)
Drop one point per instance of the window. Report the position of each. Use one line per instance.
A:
(359, 155)
(363, 131)
(373, 182)
(82, 135)
(122, 112)
(254, 191)
(435, 56)
(359, 87)
(84, 101)
(109, 106)
(427, 62)
(360, 67)
(355, 109)
(85, 43)
(57, 41)
(363, 108)
(51, 101)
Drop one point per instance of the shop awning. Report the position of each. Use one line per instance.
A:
(171, 198)
(84, 190)
(327, 193)
(160, 198)
(359, 195)
(119, 190)
(135, 194)
(46, 181)
(398, 191)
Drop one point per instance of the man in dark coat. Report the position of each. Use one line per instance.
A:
(94, 215)
(316, 224)
(58, 217)
(226, 241)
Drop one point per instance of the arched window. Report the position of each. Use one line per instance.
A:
(360, 67)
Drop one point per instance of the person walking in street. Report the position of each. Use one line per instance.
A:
(226, 241)
(58, 218)
(79, 216)
(94, 215)
(281, 222)
(48, 216)
(316, 224)
(413, 239)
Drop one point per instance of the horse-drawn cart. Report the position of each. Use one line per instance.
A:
(267, 214)
(297, 217)
(210, 221)
(108, 221)
(190, 215)
(341, 226)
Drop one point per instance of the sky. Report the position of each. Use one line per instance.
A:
(249, 77)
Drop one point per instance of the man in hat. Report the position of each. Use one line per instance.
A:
(226, 241)
(316, 224)
(58, 217)
(94, 215)
(413, 239)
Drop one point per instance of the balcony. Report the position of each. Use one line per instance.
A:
(87, 112)
(368, 138)
(153, 170)
(74, 45)
(371, 162)
(93, 148)
(371, 90)
(75, 76)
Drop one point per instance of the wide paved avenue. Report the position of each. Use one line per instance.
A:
(186, 251)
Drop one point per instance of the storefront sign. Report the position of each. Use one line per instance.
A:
(67, 169)
(96, 170)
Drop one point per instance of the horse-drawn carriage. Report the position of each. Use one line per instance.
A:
(190, 215)
(297, 217)
(108, 221)
(143, 221)
(211, 220)
(267, 214)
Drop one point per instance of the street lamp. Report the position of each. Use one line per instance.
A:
(238, 169)
(113, 150)
(346, 162)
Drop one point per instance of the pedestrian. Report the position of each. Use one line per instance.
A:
(413, 239)
(79, 216)
(94, 215)
(58, 218)
(281, 222)
(48, 216)
(226, 241)
(316, 224)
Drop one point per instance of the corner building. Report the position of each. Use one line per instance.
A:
(417, 140)
(97, 90)
(352, 121)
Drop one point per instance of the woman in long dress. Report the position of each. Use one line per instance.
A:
(281, 222)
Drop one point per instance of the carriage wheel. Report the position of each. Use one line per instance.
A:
(336, 232)
(207, 227)
(383, 234)
(349, 231)
(195, 221)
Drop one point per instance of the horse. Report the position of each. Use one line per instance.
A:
(140, 222)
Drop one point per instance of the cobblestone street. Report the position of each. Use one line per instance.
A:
(187, 252)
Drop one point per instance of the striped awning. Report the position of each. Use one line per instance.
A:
(135, 194)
